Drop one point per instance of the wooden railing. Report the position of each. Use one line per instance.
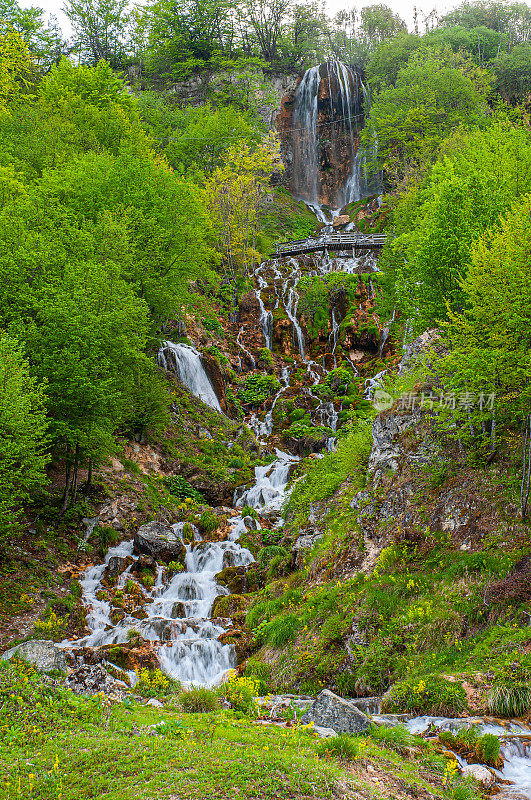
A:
(333, 241)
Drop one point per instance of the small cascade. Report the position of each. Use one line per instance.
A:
(385, 334)
(178, 607)
(244, 350)
(266, 316)
(515, 741)
(269, 491)
(186, 362)
(332, 339)
(291, 302)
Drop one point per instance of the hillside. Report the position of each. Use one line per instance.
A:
(265, 427)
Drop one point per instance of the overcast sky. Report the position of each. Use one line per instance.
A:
(402, 7)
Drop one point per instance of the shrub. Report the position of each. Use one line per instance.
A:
(280, 630)
(147, 580)
(267, 553)
(260, 673)
(346, 684)
(179, 487)
(334, 628)
(257, 388)
(208, 522)
(430, 694)
(395, 738)
(155, 683)
(51, 628)
(199, 700)
(107, 537)
(266, 356)
(240, 693)
(509, 701)
(342, 747)
(247, 511)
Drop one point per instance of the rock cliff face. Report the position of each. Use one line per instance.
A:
(318, 125)
(267, 91)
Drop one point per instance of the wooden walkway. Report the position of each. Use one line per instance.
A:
(355, 242)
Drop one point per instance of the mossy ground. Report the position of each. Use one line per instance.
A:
(55, 744)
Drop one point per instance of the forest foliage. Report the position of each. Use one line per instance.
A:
(119, 213)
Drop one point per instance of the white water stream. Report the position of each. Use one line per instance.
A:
(515, 749)
(186, 361)
(178, 609)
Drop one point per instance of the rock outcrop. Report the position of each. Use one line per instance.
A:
(42, 654)
(331, 711)
(158, 540)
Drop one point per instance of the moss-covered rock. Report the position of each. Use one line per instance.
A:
(228, 605)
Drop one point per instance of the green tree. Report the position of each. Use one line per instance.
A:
(195, 139)
(357, 35)
(23, 427)
(410, 120)
(490, 340)
(87, 337)
(389, 58)
(44, 40)
(513, 73)
(101, 30)
(513, 19)
(16, 67)
(479, 174)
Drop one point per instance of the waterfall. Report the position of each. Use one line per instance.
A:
(317, 125)
(178, 608)
(306, 151)
(186, 361)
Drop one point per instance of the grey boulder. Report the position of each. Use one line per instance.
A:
(331, 711)
(45, 656)
(158, 540)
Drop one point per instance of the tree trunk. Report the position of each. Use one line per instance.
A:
(74, 477)
(88, 485)
(68, 471)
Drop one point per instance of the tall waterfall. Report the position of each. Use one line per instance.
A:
(329, 110)
(186, 361)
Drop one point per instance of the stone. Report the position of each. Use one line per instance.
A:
(158, 540)
(44, 655)
(303, 544)
(324, 733)
(340, 221)
(480, 774)
(92, 679)
(178, 611)
(155, 703)
(250, 523)
(145, 564)
(116, 565)
(234, 578)
(331, 711)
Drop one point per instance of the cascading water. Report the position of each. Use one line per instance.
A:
(306, 141)
(186, 361)
(329, 107)
(178, 608)
(515, 749)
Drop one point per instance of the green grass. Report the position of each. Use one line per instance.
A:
(55, 745)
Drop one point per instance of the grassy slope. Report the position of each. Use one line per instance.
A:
(57, 745)
(405, 598)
